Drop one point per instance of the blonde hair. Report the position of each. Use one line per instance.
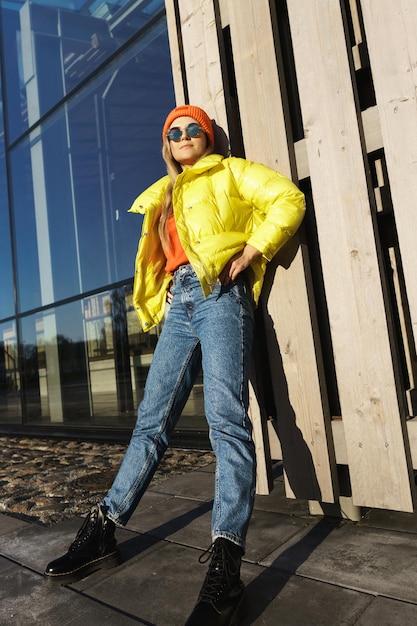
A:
(173, 170)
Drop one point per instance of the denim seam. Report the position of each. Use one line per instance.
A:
(220, 533)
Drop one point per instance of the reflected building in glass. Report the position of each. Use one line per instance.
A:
(85, 87)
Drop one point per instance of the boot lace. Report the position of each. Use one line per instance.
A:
(222, 573)
(86, 530)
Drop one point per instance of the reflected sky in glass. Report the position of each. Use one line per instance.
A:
(6, 275)
(52, 47)
(75, 177)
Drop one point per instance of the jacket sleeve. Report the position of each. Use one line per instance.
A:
(153, 196)
(278, 206)
(150, 282)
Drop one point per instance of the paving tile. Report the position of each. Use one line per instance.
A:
(25, 600)
(197, 534)
(151, 498)
(210, 468)
(9, 524)
(366, 559)
(390, 520)
(277, 501)
(274, 597)
(5, 564)
(34, 546)
(160, 588)
(175, 518)
(387, 612)
(197, 485)
(133, 548)
(267, 531)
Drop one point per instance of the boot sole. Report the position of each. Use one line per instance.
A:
(105, 562)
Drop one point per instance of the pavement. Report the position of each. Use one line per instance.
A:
(298, 569)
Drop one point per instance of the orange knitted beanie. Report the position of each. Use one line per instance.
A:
(188, 110)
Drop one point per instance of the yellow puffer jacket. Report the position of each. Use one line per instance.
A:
(220, 204)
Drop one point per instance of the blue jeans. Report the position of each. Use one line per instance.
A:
(214, 333)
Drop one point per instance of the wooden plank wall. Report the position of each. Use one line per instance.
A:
(289, 319)
(227, 58)
(392, 45)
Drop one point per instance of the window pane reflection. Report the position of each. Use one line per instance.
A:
(86, 363)
(75, 177)
(55, 382)
(6, 277)
(50, 47)
(10, 387)
(83, 358)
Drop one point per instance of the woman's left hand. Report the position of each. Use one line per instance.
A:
(237, 264)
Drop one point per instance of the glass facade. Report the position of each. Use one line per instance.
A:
(84, 90)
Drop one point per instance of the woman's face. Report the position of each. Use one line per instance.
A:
(188, 150)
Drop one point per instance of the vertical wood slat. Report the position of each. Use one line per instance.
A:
(260, 101)
(391, 29)
(379, 462)
(303, 416)
(177, 76)
(264, 478)
(202, 58)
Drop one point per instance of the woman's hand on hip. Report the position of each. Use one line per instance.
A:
(237, 264)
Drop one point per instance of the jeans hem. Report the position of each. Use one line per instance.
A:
(111, 517)
(230, 537)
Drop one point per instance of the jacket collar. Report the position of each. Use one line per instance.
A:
(151, 197)
(204, 164)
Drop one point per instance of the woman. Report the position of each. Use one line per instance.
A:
(210, 227)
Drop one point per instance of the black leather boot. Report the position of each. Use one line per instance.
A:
(222, 592)
(93, 548)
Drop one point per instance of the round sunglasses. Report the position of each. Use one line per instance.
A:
(191, 130)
